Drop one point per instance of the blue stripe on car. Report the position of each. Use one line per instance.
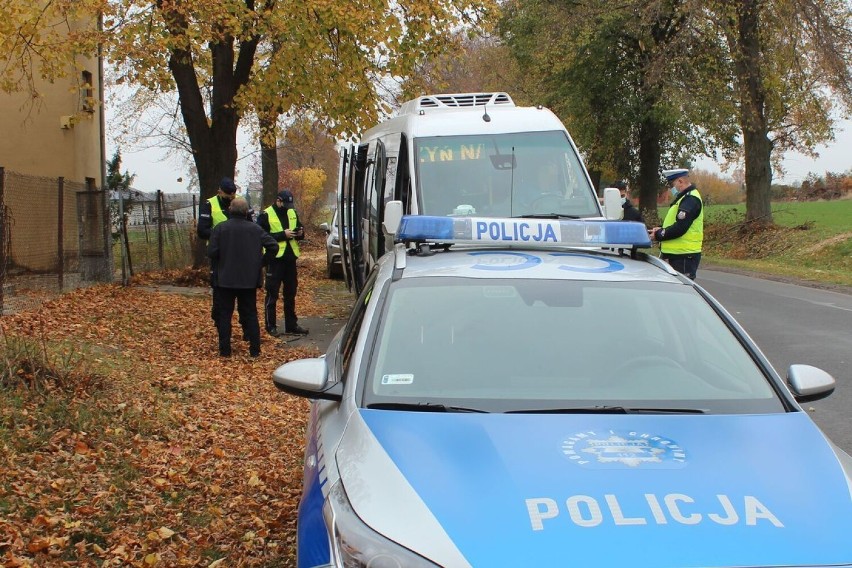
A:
(312, 535)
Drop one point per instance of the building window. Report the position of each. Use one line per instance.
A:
(88, 92)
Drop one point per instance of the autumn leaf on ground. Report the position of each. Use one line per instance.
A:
(175, 458)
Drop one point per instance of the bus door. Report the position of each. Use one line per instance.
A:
(344, 214)
(402, 182)
(359, 214)
(376, 200)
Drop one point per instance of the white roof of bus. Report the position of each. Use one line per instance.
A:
(449, 121)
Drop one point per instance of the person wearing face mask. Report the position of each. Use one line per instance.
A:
(282, 222)
(215, 210)
(630, 212)
(682, 233)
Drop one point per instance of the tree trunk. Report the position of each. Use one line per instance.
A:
(213, 141)
(595, 175)
(757, 145)
(649, 168)
(269, 156)
(758, 177)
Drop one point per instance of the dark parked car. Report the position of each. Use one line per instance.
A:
(332, 248)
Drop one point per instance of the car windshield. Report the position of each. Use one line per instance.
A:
(539, 345)
(505, 175)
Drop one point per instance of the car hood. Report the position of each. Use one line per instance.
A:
(600, 490)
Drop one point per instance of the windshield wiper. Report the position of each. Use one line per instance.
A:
(422, 407)
(667, 410)
(546, 216)
(608, 410)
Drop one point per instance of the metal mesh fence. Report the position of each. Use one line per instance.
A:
(44, 233)
(57, 235)
(159, 231)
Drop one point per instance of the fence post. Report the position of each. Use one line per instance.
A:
(60, 244)
(160, 228)
(2, 235)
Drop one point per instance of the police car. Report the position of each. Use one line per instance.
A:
(539, 392)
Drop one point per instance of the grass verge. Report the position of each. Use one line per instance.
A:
(810, 241)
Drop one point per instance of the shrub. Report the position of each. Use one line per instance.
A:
(29, 364)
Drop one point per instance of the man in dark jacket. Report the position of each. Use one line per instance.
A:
(630, 212)
(281, 221)
(237, 251)
(212, 212)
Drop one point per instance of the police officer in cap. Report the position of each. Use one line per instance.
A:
(282, 222)
(215, 210)
(682, 233)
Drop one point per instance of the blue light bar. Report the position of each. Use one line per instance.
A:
(522, 232)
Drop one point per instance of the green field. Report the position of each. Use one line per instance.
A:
(811, 240)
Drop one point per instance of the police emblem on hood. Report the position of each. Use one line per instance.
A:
(615, 449)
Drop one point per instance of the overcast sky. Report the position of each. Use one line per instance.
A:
(153, 171)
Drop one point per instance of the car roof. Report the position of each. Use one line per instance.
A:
(564, 263)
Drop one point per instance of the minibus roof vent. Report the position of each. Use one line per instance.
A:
(456, 100)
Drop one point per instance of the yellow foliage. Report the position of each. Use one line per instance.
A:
(307, 187)
(312, 180)
(45, 40)
(230, 58)
(716, 189)
(322, 56)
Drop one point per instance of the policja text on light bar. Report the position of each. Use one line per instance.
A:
(521, 231)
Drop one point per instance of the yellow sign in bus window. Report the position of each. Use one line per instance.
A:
(451, 153)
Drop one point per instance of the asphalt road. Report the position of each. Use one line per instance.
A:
(796, 324)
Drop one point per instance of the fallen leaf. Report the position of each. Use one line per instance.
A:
(165, 532)
(38, 545)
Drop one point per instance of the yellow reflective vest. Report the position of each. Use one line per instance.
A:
(691, 241)
(217, 215)
(275, 227)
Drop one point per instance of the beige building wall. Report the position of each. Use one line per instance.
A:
(57, 135)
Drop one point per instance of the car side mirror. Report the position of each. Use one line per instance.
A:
(393, 217)
(809, 383)
(307, 378)
(325, 227)
(612, 203)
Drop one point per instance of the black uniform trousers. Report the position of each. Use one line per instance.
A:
(215, 309)
(281, 271)
(686, 264)
(223, 304)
